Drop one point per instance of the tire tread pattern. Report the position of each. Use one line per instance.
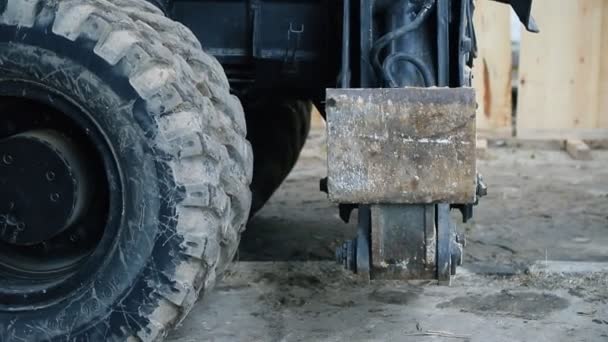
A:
(201, 127)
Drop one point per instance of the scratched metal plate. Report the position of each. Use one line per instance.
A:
(401, 145)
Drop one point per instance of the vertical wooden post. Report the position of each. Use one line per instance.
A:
(603, 94)
(492, 69)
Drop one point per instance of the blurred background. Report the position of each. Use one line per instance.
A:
(551, 85)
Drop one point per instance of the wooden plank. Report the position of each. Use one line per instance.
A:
(577, 149)
(560, 68)
(603, 110)
(492, 69)
(527, 144)
(561, 134)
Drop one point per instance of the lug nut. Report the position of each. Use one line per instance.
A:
(7, 159)
(50, 176)
(54, 197)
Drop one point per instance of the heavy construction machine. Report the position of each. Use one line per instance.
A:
(138, 137)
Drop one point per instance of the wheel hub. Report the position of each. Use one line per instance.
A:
(43, 190)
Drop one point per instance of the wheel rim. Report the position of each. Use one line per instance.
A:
(54, 240)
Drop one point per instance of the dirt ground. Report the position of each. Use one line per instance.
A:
(542, 206)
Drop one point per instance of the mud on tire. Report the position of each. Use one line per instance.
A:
(178, 140)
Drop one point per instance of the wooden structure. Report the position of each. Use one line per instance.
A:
(492, 69)
(563, 73)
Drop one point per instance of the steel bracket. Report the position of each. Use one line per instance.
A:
(401, 145)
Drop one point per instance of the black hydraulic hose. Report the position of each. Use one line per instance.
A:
(383, 41)
(443, 43)
(345, 74)
(427, 76)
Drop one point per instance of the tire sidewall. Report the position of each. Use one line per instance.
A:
(120, 294)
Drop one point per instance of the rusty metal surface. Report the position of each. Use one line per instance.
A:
(403, 241)
(403, 145)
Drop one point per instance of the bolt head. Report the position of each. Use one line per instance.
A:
(50, 176)
(7, 159)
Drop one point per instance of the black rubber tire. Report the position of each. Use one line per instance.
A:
(277, 130)
(166, 109)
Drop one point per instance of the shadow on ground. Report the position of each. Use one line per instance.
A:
(541, 205)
